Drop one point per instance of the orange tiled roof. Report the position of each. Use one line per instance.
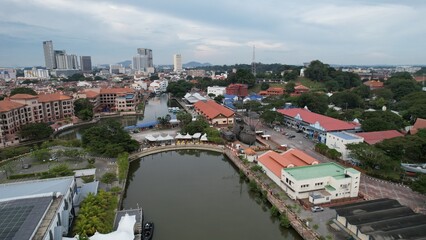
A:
(91, 94)
(116, 90)
(374, 84)
(419, 124)
(275, 162)
(300, 87)
(7, 105)
(212, 109)
(249, 151)
(53, 97)
(378, 136)
(23, 96)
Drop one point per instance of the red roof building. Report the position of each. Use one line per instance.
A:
(374, 84)
(240, 90)
(299, 90)
(378, 136)
(275, 162)
(314, 124)
(419, 124)
(215, 113)
(272, 91)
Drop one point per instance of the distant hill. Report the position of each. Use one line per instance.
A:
(196, 64)
(125, 63)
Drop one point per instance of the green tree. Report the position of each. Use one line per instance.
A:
(264, 86)
(292, 75)
(402, 87)
(315, 102)
(243, 76)
(317, 71)
(123, 165)
(23, 90)
(371, 157)
(35, 131)
(219, 98)
(184, 117)
(61, 170)
(108, 138)
(108, 178)
(419, 185)
(83, 109)
(179, 88)
(196, 126)
(413, 106)
(269, 117)
(289, 87)
(346, 99)
(381, 120)
(363, 91)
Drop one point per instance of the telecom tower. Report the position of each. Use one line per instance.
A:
(253, 62)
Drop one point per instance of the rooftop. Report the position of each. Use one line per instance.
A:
(328, 123)
(317, 171)
(22, 96)
(419, 124)
(345, 136)
(50, 97)
(378, 136)
(212, 109)
(7, 105)
(33, 187)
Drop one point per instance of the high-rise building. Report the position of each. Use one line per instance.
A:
(177, 63)
(86, 64)
(60, 59)
(148, 53)
(140, 63)
(49, 57)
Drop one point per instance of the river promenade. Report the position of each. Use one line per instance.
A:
(296, 222)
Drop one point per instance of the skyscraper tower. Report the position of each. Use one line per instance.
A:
(49, 56)
(86, 64)
(148, 53)
(177, 63)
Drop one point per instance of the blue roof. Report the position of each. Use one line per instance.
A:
(345, 136)
(26, 188)
(84, 191)
(229, 96)
(147, 124)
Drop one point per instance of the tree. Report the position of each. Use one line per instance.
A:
(402, 87)
(363, 91)
(123, 165)
(179, 88)
(289, 87)
(315, 102)
(371, 158)
(108, 138)
(292, 75)
(317, 71)
(23, 90)
(413, 106)
(83, 109)
(346, 99)
(108, 178)
(219, 98)
(243, 76)
(35, 131)
(196, 126)
(264, 86)
(270, 117)
(61, 170)
(381, 120)
(419, 185)
(184, 117)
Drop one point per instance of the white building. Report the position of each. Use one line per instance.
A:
(177, 63)
(216, 90)
(321, 183)
(339, 140)
(45, 208)
(35, 73)
(158, 86)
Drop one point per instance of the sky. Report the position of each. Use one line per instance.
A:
(359, 32)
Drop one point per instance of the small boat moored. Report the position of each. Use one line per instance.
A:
(148, 230)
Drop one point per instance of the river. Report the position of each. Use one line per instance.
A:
(198, 195)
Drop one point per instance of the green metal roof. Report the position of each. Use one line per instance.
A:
(317, 171)
(330, 188)
(352, 170)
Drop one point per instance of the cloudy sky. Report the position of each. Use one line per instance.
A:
(219, 32)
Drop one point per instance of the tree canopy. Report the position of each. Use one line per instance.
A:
(179, 88)
(83, 109)
(316, 102)
(381, 120)
(35, 131)
(413, 106)
(242, 76)
(108, 138)
(347, 99)
(22, 90)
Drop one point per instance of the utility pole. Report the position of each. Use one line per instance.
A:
(253, 62)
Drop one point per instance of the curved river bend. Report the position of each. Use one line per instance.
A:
(198, 195)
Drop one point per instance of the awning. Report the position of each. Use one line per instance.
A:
(196, 135)
(187, 136)
(150, 138)
(168, 138)
(179, 136)
(204, 137)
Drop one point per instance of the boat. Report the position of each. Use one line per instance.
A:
(148, 230)
(416, 168)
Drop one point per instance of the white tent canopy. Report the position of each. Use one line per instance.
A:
(187, 136)
(160, 138)
(204, 137)
(196, 135)
(179, 136)
(168, 138)
(150, 138)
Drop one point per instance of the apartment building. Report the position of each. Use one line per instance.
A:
(21, 109)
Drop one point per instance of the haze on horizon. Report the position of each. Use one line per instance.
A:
(363, 32)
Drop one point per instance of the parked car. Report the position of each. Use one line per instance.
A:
(317, 209)
(26, 166)
(291, 136)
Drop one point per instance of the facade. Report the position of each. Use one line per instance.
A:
(148, 53)
(158, 86)
(115, 68)
(215, 113)
(49, 56)
(45, 206)
(373, 84)
(273, 163)
(321, 183)
(21, 109)
(86, 64)
(315, 125)
(240, 90)
(299, 90)
(339, 140)
(216, 90)
(177, 63)
(35, 73)
(118, 99)
(196, 73)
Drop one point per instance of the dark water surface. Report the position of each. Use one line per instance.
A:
(198, 195)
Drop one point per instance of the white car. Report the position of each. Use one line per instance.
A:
(317, 209)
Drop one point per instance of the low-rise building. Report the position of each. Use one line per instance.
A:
(240, 90)
(378, 136)
(339, 140)
(37, 209)
(272, 91)
(315, 125)
(216, 90)
(321, 183)
(273, 163)
(215, 113)
(419, 124)
(373, 84)
(299, 90)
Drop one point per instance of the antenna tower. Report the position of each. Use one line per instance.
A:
(253, 62)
